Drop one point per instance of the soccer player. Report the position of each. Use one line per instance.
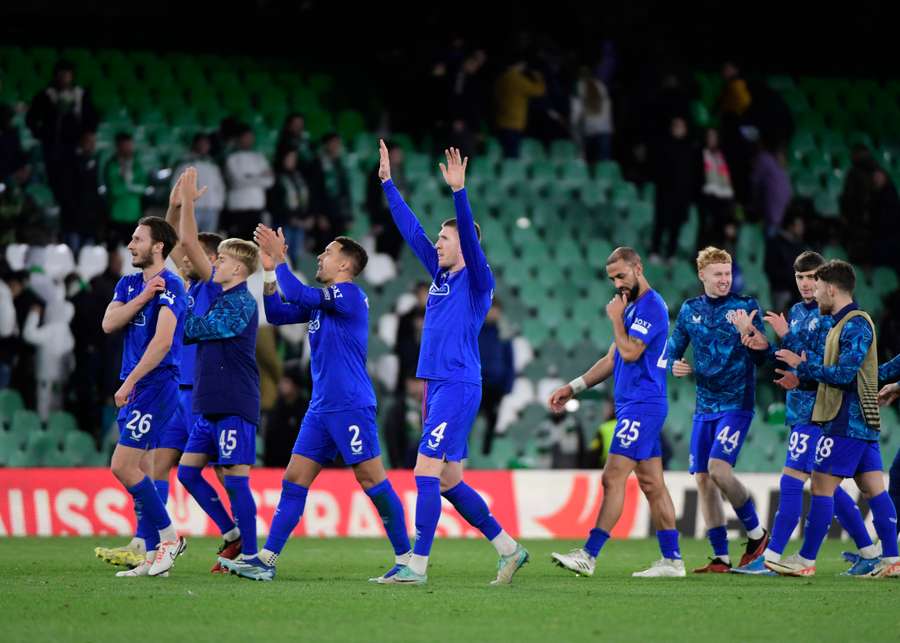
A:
(888, 374)
(449, 362)
(341, 415)
(226, 381)
(197, 253)
(846, 408)
(150, 306)
(725, 371)
(806, 324)
(637, 363)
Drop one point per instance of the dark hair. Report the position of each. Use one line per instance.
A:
(161, 232)
(838, 273)
(330, 136)
(626, 254)
(63, 65)
(356, 252)
(210, 242)
(808, 260)
(290, 117)
(242, 128)
(281, 153)
(121, 137)
(199, 136)
(451, 223)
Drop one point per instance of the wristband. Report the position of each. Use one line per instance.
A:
(578, 385)
(268, 276)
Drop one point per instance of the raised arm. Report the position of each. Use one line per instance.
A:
(187, 230)
(156, 350)
(228, 317)
(120, 312)
(404, 218)
(455, 176)
(173, 218)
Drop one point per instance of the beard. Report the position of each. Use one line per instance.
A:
(142, 260)
(631, 294)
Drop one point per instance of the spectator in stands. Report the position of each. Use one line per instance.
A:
(884, 232)
(716, 202)
(126, 184)
(403, 424)
(330, 185)
(47, 329)
(498, 372)
(12, 156)
(468, 95)
(20, 216)
(409, 334)
(208, 207)
(223, 141)
(86, 383)
(591, 117)
(388, 239)
(103, 288)
(82, 207)
(770, 188)
(889, 328)
(284, 420)
(675, 173)
(249, 176)
(781, 251)
(856, 202)
(270, 367)
(294, 135)
(25, 300)
(549, 114)
(513, 91)
(734, 100)
(288, 201)
(9, 330)
(58, 115)
(771, 116)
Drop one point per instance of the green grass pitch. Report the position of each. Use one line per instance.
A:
(55, 590)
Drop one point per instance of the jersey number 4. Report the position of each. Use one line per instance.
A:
(438, 434)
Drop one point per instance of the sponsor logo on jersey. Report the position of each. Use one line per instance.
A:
(441, 291)
(696, 319)
(641, 326)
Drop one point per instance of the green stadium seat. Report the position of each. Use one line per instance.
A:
(536, 332)
(563, 150)
(532, 150)
(884, 280)
(607, 173)
(10, 402)
(25, 422)
(60, 423)
(350, 123)
(79, 448)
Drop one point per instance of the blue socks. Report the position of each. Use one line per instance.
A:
(668, 544)
(747, 514)
(821, 511)
(244, 509)
(474, 509)
(847, 513)
(790, 507)
(389, 507)
(718, 538)
(206, 496)
(884, 515)
(596, 539)
(287, 515)
(428, 512)
(149, 506)
(894, 484)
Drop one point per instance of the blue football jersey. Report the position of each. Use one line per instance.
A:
(200, 295)
(338, 319)
(142, 327)
(807, 330)
(640, 386)
(458, 302)
(725, 369)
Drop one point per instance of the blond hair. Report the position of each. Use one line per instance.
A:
(246, 252)
(711, 254)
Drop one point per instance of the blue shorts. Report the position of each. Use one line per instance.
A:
(801, 449)
(845, 457)
(153, 407)
(638, 436)
(176, 433)
(448, 411)
(352, 433)
(227, 439)
(720, 438)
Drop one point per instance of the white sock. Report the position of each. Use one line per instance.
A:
(890, 559)
(504, 544)
(268, 557)
(806, 561)
(232, 535)
(771, 556)
(140, 543)
(168, 534)
(725, 558)
(757, 533)
(402, 559)
(419, 564)
(869, 552)
(151, 556)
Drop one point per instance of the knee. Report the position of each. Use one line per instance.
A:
(650, 486)
(120, 471)
(720, 473)
(365, 479)
(612, 479)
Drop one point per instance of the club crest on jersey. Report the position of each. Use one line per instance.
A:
(168, 296)
(441, 291)
(314, 324)
(813, 324)
(190, 301)
(730, 315)
(139, 319)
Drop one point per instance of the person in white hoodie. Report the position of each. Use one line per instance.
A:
(591, 116)
(209, 206)
(249, 175)
(55, 345)
(9, 329)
